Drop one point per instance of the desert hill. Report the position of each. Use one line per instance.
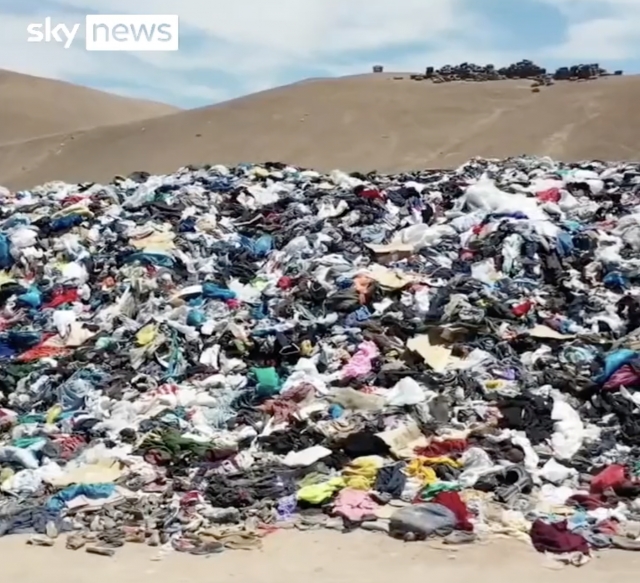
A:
(33, 107)
(364, 122)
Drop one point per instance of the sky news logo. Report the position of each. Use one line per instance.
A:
(113, 32)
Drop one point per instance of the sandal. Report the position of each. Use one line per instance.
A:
(208, 548)
(183, 545)
(240, 541)
(40, 541)
(459, 537)
(112, 539)
(75, 542)
(135, 537)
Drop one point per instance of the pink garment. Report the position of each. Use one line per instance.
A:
(625, 376)
(355, 505)
(549, 195)
(166, 389)
(360, 363)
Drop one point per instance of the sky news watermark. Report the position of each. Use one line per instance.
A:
(112, 32)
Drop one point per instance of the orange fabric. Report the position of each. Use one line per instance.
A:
(41, 351)
(362, 283)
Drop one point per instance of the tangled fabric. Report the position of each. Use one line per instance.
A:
(197, 359)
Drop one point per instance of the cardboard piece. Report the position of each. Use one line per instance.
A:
(388, 278)
(403, 440)
(391, 248)
(542, 331)
(158, 241)
(436, 355)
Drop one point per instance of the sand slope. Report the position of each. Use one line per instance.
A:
(314, 557)
(33, 106)
(358, 123)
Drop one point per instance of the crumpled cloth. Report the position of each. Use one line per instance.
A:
(93, 491)
(360, 363)
(319, 493)
(391, 480)
(454, 503)
(30, 520)
(355, 505)
(361, 473)
(423, 519)
(556, 538)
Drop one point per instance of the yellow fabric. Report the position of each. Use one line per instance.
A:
(318, 493)
(5, 278)
(418, 468)
(306, 348)
(75, 209)
(5, 474)
(260, 284)
(442, 460)
(146, 335)
(421, 468)
(361, 473)
(53, 414)
(494, 384)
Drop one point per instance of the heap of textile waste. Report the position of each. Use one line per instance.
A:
(194, 361)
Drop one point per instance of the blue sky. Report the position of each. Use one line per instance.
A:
(234, 47)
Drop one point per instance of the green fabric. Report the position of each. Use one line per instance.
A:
(31, 418)
(268, 381)
(18, 371)
(171, 446)
(25, 442)
(106, 343)
(12, 373)
(433, 490)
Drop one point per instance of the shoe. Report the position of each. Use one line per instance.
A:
(208, 548)
(40, 541)
(75, 542)
(515, 480)
(51, 529)
(103, 551)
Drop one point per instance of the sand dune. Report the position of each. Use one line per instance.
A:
(356, 123)
(33, 107)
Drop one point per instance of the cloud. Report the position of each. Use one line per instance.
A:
(232, 48)
(600, 39)
(604, 30)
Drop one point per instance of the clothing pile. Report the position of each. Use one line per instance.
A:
(196, 360)
(524, 69)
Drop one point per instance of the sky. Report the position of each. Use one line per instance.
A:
(230, 48)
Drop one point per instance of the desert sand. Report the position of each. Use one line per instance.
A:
(33, 107)
(313, 557)
(362, 123)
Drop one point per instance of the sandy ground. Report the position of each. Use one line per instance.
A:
(312, 557)
(33, 107)
(361, 123)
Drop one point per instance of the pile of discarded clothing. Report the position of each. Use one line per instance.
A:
(524, 69)
(194, 361)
